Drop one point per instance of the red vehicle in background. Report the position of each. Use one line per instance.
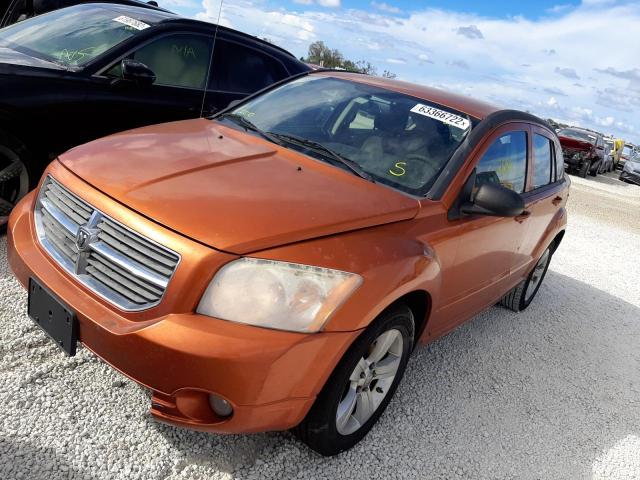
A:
(583, 151)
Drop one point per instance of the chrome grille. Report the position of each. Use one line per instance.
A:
(121, 266)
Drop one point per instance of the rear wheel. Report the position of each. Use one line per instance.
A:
(14, 176)
(361, 386)
(522, 295)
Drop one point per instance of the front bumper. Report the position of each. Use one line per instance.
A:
(271, 378)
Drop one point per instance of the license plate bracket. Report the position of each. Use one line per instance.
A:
(57, 320)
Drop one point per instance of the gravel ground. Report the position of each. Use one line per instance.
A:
(550, 393)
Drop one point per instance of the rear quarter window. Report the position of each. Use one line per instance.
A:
(240, 69)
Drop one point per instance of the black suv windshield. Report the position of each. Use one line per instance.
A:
(395, 139)
(73, 36)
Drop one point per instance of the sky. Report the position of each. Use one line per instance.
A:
(576, 61)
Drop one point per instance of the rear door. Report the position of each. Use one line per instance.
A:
(546, 194)
(240, 68)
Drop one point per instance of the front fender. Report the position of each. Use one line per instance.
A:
(391, 263)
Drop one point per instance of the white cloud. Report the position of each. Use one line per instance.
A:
(385, 7)
(471, 32)
(567, 72)
(322, 3)
(519, 63)
(329, 3)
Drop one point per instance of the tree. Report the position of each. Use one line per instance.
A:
(388, 74)
(326, 57)
(322, 55)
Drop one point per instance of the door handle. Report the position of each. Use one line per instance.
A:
(523, 216)
(556, 201)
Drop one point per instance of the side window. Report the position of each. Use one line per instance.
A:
(241, 69)
(505, 162)
(177, 60)
(559, 162)
(542, 149)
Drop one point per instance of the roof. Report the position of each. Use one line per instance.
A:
(462, 103)
(211, 25)
(159, 15)
(580, 129)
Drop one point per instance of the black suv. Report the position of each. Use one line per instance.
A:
(15, 11)
(76, 74)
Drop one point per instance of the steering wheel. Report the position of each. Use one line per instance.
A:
(431, 168)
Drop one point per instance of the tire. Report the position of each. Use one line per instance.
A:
(521, 296)
(326, 432)
(584, 169)
(594, 171)
(15, 180)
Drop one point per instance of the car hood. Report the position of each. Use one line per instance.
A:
(8, 56)
(231, 190)
(576, 145)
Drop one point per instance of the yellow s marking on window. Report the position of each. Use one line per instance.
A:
(398, 169)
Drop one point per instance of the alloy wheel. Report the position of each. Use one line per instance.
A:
(369, 383)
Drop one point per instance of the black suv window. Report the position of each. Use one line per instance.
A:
(505, 162)
(240, 69)
(542, 157)
(180, 60)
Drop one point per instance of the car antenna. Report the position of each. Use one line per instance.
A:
(213, 49)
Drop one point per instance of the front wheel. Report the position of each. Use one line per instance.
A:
(521, 296)
(14, 177)
(584, 168)
(361, 386)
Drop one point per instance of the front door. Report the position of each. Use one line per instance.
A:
(488, 246)
(180, 62)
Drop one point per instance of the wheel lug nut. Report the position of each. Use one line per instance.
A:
(379, 390)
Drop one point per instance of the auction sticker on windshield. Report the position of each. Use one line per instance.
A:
(131, 22)
(442, 116)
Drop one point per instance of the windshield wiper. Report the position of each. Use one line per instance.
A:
(350, 164)
(248, 125)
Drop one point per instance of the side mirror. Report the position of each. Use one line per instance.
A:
(494, 200)
(137, 72)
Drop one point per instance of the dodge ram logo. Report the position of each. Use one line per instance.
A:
(84, 238)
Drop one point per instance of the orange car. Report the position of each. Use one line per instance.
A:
(274, 267)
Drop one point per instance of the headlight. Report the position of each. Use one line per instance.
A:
(280, 295)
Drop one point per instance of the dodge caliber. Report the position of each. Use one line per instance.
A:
(273, 267)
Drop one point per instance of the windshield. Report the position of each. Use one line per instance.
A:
(71, 36)
(577, 135)
(396, 139)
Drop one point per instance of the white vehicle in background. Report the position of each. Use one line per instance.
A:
(627, 151)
